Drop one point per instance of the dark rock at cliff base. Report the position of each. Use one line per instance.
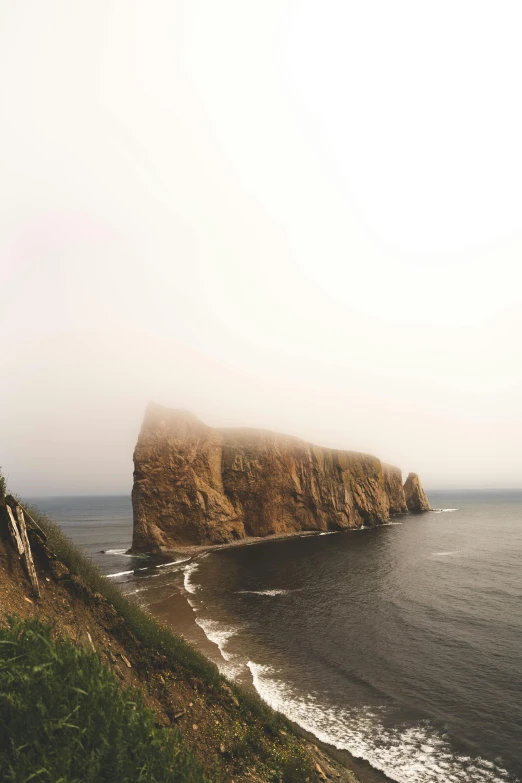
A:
(416, 498)
(197, 485)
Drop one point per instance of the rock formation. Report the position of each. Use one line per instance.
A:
(416, 498)
(197, 485)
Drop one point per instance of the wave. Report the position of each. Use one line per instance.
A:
(443, 510)
(174, 562)
(263, 592)
(454, 553)
(414, 754)
(132, 571)
(219, 634)
(189, 570)
(150, 568)
(120, 573)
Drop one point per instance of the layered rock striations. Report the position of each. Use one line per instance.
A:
(197, 485)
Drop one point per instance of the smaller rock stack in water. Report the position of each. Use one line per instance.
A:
(416, 498)
(197, 485)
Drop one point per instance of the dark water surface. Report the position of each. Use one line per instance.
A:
(401, 644)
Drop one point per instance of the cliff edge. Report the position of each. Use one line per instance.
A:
(195, 485)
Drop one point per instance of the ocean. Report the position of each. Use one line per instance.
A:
(401, 644)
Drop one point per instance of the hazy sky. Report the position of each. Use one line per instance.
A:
(304, 216)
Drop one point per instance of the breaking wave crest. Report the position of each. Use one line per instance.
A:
(120, 573)
(189, 570)
(219, 634)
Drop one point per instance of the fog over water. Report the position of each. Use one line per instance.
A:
(301, 216)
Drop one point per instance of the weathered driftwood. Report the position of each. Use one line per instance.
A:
(13, 529)
(12, 501)
(29, 563)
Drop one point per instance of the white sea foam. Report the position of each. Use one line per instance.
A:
(189, 570)
(443, 510)
(219, 634)
(174, 562)
(455, 553)
(329, 533)
(120, 573)
(418, 754)
(263, 592)
(114, 551)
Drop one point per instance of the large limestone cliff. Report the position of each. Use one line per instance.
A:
(197, 485)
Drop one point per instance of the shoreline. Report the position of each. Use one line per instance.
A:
(361, 769)
(199, 549)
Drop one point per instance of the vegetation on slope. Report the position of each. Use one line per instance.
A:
(64, 717)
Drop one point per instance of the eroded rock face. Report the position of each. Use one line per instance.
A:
(416, 498)
(197, 485)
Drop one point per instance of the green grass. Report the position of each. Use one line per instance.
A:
(65, 719)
